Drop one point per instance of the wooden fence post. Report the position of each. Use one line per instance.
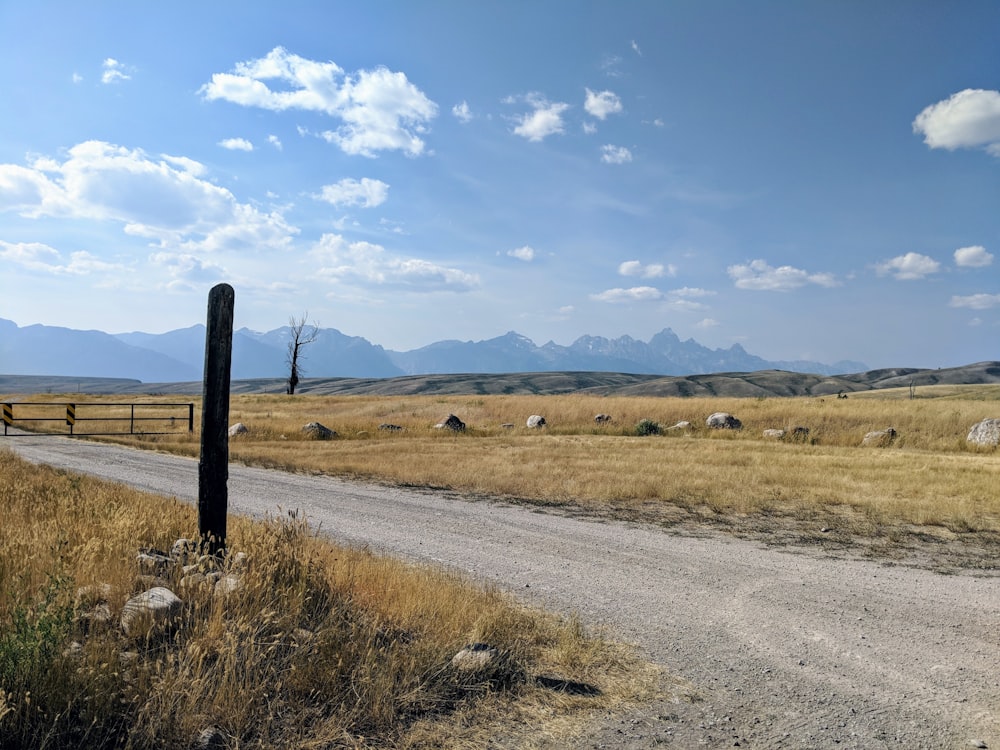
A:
(213, 466)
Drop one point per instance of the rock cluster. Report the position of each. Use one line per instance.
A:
(723, 421)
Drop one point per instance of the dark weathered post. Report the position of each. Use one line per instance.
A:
(213, 467)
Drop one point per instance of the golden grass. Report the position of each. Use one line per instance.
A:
(929, 476)
(321, 646)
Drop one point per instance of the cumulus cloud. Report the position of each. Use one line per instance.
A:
(379, 110)
(275, 141)
(692, 292)
(757, 275)
(909, 267)
(462, 112)
(236, 144)
(42, 258)
(968, 119)
(615, 154)
(974, 256)
(600, 104)
(366, 193)
(707, 323)
(635, 294)
(187, 272)
(650, 271)
(163, 199)
(368, 263)
(976, 301)
(526, 253)
(545, 119)
(114, 72)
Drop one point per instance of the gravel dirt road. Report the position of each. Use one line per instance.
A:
(770, 648)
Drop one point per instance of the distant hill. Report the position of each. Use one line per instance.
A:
(761, 383)
(178, 355)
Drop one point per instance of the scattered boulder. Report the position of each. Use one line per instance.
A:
(210, 738)
(535, 421)
(183, 549)
(723, 421)
(316, 431)
(475, 657)
(985, 434)
(158, 608)
(602, 418)
(390, 427)
(880, 438)
(773, 434)
(153, 561)
(451, 422)
(238, 429)
(508, 425)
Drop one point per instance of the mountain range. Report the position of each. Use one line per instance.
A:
(178, 356)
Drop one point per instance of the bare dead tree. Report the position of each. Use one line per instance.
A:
(303, 333)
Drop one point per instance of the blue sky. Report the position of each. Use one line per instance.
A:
(812, 180)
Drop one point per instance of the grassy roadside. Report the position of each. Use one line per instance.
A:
(318, 646)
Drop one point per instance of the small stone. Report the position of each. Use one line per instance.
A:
(158, 608)
(238, 429)
(474, 657)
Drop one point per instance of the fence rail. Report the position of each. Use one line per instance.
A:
(71, 414)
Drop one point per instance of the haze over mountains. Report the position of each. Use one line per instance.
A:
(178, 355)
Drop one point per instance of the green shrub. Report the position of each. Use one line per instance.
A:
(647, 427)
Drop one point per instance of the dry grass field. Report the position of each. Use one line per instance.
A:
(319, 646)
(928, 477)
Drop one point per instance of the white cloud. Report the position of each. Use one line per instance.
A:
(589, 128)
(526, 253)
(38, 257)
(707, 323)
(364, 262)
(187, 272)
(976, 301)
(162, 199)
(909, 267)
(635, 48)
(968, 119)
(366, 193)
(544, 120)
(462, 112)
(615, 154)
(692, 292)
(236, 144)
(757, 275)
(380, 110)
(974, 256)
(114, 72)
(635, 294)
(600, 104)
(77, 78)
(275, 141)
(651, 271)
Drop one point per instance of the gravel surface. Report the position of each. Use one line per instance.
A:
(766, 647)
